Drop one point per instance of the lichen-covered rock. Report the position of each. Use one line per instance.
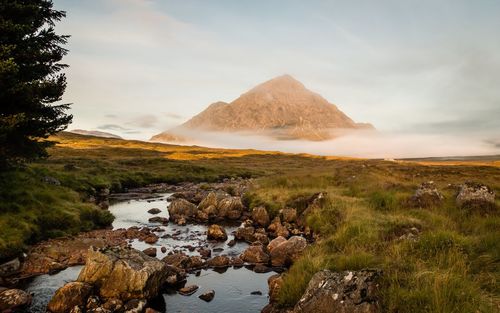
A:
(210, 201)
(124, 273)
(426, 196)
(219, 261)
(275, 283)
(255, 254)
(348, 291)
(245, 233)
(207, 296)
(68, 296)
(13, 299)
(275, 242)
(230, 207)
(216, 232)
(475, 196)
(260, 216)
(288, 251)
(182, 209)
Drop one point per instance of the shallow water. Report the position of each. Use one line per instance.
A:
(232, 288)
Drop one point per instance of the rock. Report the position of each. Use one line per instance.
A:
(289, 215)
(475, 196)
(135, 306)
(219, 261)
(287, 252)
(205, 253)
(179, 260)
(261, 237)
(237, 262)
(163, 249)
(275, 242)
(426, 196)
(158, 219)
(260, 216)
(10, 268)
(68, 296)
(180, 208)
(231, 243)
(14, 299)
(255, 254)
(245, 233)
(152, 238)
(188, 290)
(353, 292)
(113, 305)
(275, 283)
(256, 293)
(194, 262)
(209, 203)
(150, 251)
(230, 207)
(181, 221)
(207, 296)
(51, 180)
(216, 232)
(150, 310)
(124, 273)
(154, 211)
(277, 229)
(261, 268)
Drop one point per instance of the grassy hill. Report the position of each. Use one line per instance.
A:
(454, 266)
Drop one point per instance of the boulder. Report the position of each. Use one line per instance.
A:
(289, 215)
(14, 299)
(68, 296)
(255, 254)
(219, 261)
(277, 229)
(216, 232)
(207, 296)
(348, 291)
(230, 207)
(194, 262)
(288, 251)
(209, 203)
(180, 208)
(260, 216)
(245, 233)
(275, 283)
(426, 196)
(275, 242)
(159, 219)
(10, 268)
(205, 253)
(150, 251)
(154, 211)
(124, 273)
(475, 196)
(188, 290)
(179, 260)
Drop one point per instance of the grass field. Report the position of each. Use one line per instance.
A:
(454, 266)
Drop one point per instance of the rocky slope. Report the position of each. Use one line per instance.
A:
(281, 107)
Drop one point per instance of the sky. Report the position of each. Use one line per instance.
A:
(422, 67)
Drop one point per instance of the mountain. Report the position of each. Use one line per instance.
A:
(281, 107)
(95, 133)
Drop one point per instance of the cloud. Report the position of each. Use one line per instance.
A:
(144, 121)
(112, 127)
(174, 116)
(364, 144)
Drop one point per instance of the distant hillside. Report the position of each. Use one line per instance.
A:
(95, 133)
(281, 107)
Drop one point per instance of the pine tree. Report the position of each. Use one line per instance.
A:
(31, 81)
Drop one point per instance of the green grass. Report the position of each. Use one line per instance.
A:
(454, 266)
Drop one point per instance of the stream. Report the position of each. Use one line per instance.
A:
(233, 286)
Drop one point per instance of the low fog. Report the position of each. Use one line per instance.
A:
(364, 144)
